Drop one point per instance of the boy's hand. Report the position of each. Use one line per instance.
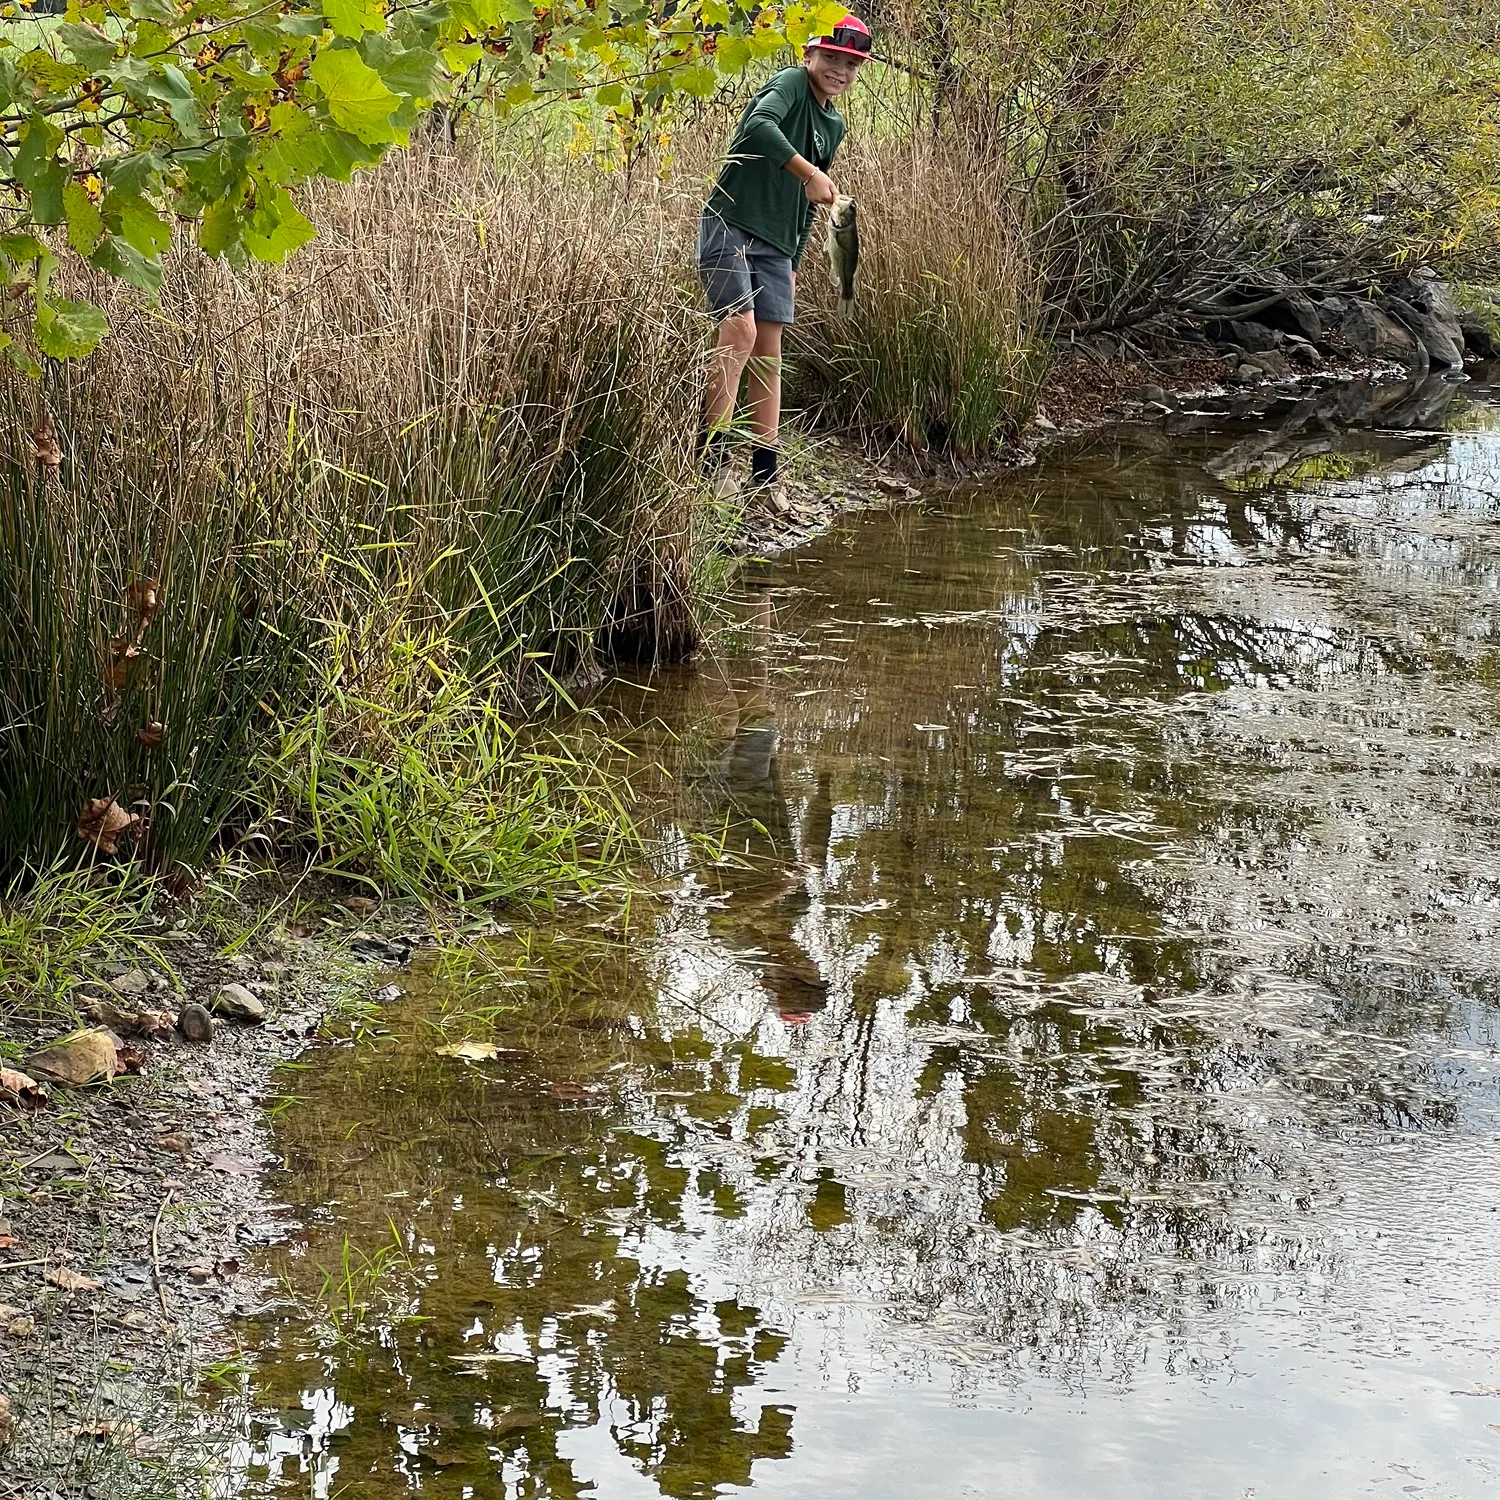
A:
(819, 188)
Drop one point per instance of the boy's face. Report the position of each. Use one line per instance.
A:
(832, 72)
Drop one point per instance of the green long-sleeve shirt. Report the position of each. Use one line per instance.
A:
(755, 192)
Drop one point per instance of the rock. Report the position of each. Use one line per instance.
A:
(1304, 354)
(1271, 363)
(1294, 314)
(1376, 333)
(238, 1004)
(7, 1422)
(132, 984)
(85, 1056)
(195, 1024)
(1478, 339)
(1332, 308)
(1255, 338)
(1155, 395)
(1443, 341)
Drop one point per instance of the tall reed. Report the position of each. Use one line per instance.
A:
(452, 439)
(943, 351)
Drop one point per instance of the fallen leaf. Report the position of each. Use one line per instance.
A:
(471, 1051)
(21, 1088)
(132, 1059)
(200, 1274)
(152, 735)
(44, 445)
(172, 1142)
(7, 1422)
(103, 823)
(8, 1242)
(19, 1328)
(145, 597)
(70, 1281)
(360, 903)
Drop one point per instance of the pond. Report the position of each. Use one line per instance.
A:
(1063, 1063)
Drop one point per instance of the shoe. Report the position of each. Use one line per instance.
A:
(724, 485)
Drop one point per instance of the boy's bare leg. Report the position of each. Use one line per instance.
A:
(737, 340)
(763, 387)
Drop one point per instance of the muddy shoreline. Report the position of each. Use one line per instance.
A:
(129, 1211)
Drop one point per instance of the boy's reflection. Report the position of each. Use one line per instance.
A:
(766, 884)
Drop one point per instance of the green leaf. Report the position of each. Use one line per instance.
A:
(38, 170)
(353, 18)
(699, 81)
(21, 248)
(733, 54)
(414, 72)
(136, 173)
(139, 223)
(20, 358)
(219, 232)
(69, 330)
(51, 75)
(275, 227)
(154, 10)
(85, 222)
(124, 261)
(88, 44)
(173, 89)
(357, 100)
(10, 92)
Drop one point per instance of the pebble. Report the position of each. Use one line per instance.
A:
(133, 983)
(195, 1024)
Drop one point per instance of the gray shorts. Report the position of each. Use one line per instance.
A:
(741, 273)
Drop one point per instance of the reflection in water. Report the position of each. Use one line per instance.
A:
(1065, 1065)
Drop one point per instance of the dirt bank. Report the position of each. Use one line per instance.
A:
(127, 1210)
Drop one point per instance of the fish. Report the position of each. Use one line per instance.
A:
(843, 250)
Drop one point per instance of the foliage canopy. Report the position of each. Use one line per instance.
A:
(129, 114)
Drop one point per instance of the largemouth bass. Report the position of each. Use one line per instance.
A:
(843, 250)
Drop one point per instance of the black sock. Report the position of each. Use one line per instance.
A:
(764, 462)
(713, 448)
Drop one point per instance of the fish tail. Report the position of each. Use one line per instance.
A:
(846, 306)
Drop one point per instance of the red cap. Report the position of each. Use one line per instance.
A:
(851, 35)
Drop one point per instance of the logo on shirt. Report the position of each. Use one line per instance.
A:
(820, 142)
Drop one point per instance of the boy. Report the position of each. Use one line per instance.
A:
(753, 234)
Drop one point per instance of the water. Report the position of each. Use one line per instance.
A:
(1065, 1065)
